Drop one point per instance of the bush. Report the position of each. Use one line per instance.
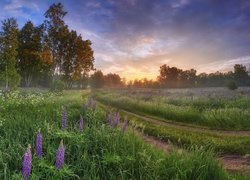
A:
(232, 85)
(58, 86)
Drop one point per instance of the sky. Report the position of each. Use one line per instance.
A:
(135, 37)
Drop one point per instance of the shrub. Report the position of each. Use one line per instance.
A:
(232, 85)
(58, 86)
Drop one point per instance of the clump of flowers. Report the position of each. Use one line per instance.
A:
(81, 123)
(39, 144)
(60, 156)
(64, 118)
(27, 163)
(125, 124)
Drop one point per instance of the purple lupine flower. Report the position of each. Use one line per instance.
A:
(39, 144)
(125, 124)
(60, 156)
(81, 124)
(116, 119)
(94, 105)
(89, 102)
(27, 162)
(64, 118)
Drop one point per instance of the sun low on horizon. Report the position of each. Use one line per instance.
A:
(133, 38)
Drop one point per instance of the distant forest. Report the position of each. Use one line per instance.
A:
(51, 54)
(173, 77)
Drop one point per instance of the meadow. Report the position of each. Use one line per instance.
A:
(211, 118)
(99, 151)
(214, 108)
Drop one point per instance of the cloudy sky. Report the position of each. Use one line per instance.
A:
(135, 37)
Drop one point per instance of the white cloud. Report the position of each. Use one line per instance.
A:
(224, 65)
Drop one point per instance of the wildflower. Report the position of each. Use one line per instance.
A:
(89, 102)
(125, 124)
(39, 145)
(116, 119)
(64, 118)
(60, 156)
(27, 162)
(81, 124)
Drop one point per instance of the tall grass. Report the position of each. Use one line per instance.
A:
(99, 152)
(217, 114)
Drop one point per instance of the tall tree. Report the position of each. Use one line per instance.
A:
(113, 80)
(56, 29)
(169, 76)
(71, 55)
(240, 74)
(8, 53)
(30, 48)
(97, 79)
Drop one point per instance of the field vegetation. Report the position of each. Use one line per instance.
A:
(215, 109)
(97, 152)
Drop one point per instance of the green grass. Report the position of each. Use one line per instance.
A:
(213, 113)
(185, 139)
(100, 152)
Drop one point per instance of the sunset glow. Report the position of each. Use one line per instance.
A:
(135, 37)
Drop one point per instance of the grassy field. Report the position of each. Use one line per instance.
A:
(215, 109)
(99, 152)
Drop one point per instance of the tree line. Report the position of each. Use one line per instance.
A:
(173, 77)
(40, 55)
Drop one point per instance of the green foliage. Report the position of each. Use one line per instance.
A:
(67, 45)
(58, 86)
(100, 152)
(8, 53)
(232, 85)
(31, 64)
(97, 79)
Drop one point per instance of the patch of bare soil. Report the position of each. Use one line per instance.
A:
(167, 148)
(235, 163)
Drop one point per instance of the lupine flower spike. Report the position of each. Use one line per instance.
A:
(89, 102)
(81, 124)
(27, 163)
(60, 156)
(39, 144)
(116, 119)
(125, 124)
(64, 118)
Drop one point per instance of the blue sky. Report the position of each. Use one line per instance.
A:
(135, 37)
